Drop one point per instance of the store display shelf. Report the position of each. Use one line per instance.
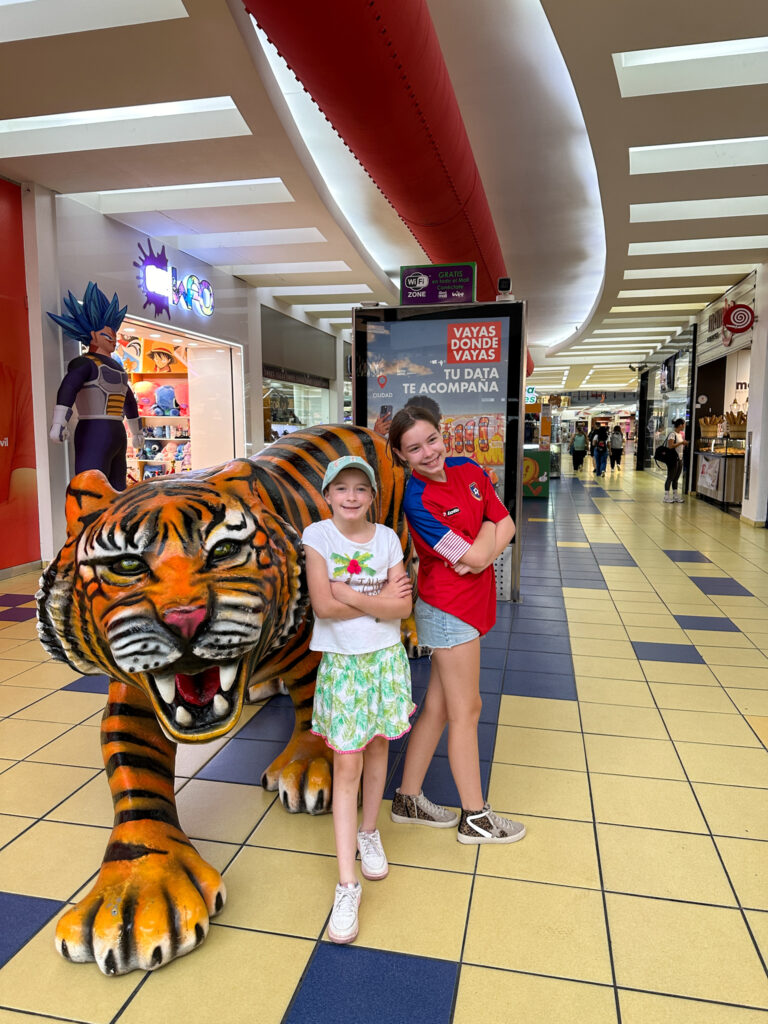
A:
(158, 376)
(160, 421)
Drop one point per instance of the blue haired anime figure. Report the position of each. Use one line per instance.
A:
(98, 387)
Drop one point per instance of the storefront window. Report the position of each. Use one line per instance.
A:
(289, 406)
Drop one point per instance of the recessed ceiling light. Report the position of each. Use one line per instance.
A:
(244, 239)
(699, 271)
(677, 305)
(649, 293)
(271, 269)
(155, 335)
(147, 124)
(34, 19)
(695, 156)
(698, 245)
(204, 194)
(718, 65)
(633, 330)
(321, 289)
(699, 209)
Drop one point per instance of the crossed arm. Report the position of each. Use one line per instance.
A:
(487, 546)
(336, 600)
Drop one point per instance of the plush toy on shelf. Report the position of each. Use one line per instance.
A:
(145, 391)
(165, 401)
(182, 398)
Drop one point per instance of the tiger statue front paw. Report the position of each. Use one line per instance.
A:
(146, 908)
(302, 775)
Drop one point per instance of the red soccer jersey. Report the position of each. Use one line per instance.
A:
(444, 520)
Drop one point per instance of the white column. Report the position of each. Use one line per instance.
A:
(254, 375)
(55, 463)
(336, 410)
(753, 509)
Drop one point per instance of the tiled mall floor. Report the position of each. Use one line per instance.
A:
(625, 722)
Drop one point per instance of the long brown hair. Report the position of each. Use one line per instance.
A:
(402, 422)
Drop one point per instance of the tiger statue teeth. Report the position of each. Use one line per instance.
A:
(189, 593)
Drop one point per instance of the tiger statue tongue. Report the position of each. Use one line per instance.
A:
(189, 592)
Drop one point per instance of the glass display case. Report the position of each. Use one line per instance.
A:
(720, 470)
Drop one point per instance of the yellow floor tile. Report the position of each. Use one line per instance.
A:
(539, 929)
(90, 805)
(33, 789)
(749, 702)
(515, 789)
(709, 727)
(685, 949)
(652, 619)
(648, 803)
(614, 691)
(427, 849)
(622, 755)
(257, 882)
(539, 712)
(644, 1008)
(669, 672)
(684, 697)
(746, 862)
(597, 631)
(606, 668)
(553, 850)
(11, 826)
(19, 739)
(542, 748)
(734, 810)
(668, 865)
(21, 630)
(12, 1017)
(657, 635)
(304, 833)
(744, 657)
(52, 860)
(717, 638)
(573, 544)
(48, 676)
(10, 668)
(14, 698)
(585, 593)
(728, 766)
(608, 648)
(38, 980)
(78, 746)
(222, 810)
(202, 982)
(190, 757)
(420, 913)
(70, 706)
(759, 724)
(607, 616)
(611, 719)
(535, 999)
(758, 922)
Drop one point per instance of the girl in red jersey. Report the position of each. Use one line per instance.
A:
(459, 526)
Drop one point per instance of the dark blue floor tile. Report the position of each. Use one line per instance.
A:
(486, 737)
(588, 584)
(13, 600)
(491, 706)
(89, 684)
(544, 627)
(539, 661)
(533, 642)
(683, 653)
(274, 724)
(492, 657)
(21, 917)
(17, 614)
(678, 555)
(242, 761)
(351, 984)
(723, 586)
(537, 684)
(536, 601)
(533, 612)
(490, 680)
(707, 622)
(495, 637)
(438, 782)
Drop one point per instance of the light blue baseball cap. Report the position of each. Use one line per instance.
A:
(348, 462)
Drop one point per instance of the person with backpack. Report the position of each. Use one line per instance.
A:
(675, 443)
(600, 449)
(578, 448)
(616, 447)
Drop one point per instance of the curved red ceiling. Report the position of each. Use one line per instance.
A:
(376, 70)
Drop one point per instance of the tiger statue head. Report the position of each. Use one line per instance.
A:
(179, 586)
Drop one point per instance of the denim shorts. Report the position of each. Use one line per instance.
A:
(436, 628)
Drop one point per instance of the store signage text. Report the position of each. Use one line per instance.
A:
(531, 398)
(458, 382)
(474, 343)
(435, 283)
(163, 286)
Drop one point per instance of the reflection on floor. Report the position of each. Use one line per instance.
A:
(625, 722)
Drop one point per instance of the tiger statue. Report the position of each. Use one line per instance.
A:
(189, 593)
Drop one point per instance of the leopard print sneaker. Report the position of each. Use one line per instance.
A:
(417, 810)
(485, 826)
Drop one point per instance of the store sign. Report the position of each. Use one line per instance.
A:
(433, 284)
(531, 398)
(163, 286)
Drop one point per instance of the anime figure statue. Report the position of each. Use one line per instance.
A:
(189, 592)
(98, 386)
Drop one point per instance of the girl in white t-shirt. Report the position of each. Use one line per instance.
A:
(359, 591)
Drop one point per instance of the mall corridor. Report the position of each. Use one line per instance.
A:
(625, 722)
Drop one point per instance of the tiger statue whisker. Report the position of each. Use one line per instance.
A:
(189, 593)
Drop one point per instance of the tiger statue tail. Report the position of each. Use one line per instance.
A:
(154, 895)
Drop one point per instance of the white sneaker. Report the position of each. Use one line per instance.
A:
(373, 860)
(342, 926)
(678, 497)
(668, 499)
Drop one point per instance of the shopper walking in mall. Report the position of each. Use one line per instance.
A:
(616, 447)
(600, 449)
(676, 441)
(459, 526)
(578, 448)
(359, 591)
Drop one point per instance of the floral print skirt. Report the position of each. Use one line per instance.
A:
(360, 696)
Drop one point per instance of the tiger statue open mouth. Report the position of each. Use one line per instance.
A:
(189, 593)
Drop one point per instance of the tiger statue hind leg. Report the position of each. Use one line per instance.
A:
(189, 593)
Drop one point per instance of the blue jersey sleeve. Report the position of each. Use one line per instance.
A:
(443, 541)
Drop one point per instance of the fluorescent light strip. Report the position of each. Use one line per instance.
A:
(699, 209)
(213, 117)
(696, 156)
(717, 65)
(633, 330)
(245, 239)
(271, 269)
(34, 19)
(650, 293)
(320, 307)
(646, 320)
(195, 195)
(700, 271)
(698, 245)
(660, 307)
(321, 289)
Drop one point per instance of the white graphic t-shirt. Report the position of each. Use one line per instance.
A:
(365, 567)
